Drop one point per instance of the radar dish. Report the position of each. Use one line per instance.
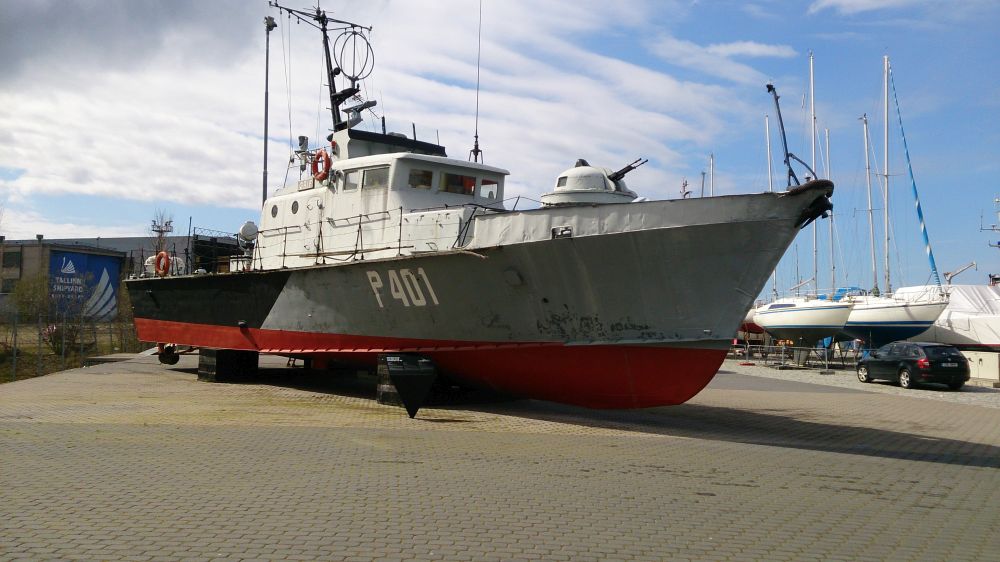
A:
(353, 54)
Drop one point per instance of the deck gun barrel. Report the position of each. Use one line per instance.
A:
(615, 176)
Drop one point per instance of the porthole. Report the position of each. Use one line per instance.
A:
(295, 207)
(274, 211)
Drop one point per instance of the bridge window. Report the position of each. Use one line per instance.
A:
(351, 180)
(421, 179)
(456, 183)
(376, 178)
(488, 189)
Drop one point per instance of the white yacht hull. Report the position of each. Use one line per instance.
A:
(881, 320)
(803, 321)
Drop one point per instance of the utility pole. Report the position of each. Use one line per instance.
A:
(711, 174)
(38, 350)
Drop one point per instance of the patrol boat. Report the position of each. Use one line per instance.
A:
(386, 245)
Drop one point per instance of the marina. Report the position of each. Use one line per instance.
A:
(460, 310)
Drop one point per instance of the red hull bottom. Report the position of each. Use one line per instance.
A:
(599, 376)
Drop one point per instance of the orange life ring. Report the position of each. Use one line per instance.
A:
(162, 263)
(321, 174)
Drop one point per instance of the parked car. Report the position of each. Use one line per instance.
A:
(912, 363)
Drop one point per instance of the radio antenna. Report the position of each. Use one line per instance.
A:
(476, 153)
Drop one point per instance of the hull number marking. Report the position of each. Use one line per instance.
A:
(404, 286)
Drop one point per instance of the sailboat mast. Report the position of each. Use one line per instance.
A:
(812, 111)
(871, 219)
(885, 167)
(770, 189)
(767, 135)
(829, 176)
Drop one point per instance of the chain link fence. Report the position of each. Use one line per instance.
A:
(41, 335)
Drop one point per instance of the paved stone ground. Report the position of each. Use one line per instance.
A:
(131, 461)
(979, 392)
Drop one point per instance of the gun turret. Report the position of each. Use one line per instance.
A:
(615, 176)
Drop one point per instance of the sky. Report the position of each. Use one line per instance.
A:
(111, 111)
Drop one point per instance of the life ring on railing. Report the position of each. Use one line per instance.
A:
(318, 173)
(162, 264)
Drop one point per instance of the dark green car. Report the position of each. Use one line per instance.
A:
(913, 363)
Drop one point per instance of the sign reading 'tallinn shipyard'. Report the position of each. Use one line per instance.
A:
(84, 282)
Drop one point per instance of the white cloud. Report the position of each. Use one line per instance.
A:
(751, 49)
(691, 55)
(21, 224)
(758, 11)
(170, 128)
(859, 6)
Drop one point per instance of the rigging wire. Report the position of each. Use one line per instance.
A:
(913, 183)
(319, 104)
(369, 94)
(287, 69)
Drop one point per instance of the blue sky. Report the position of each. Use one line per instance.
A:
(108, 115)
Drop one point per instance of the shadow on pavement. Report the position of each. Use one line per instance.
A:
(757, 427)
(769, 428)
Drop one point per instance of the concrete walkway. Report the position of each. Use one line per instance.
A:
(134, 461)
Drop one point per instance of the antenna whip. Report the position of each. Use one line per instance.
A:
(476, 153)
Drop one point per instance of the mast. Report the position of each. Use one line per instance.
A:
(829, 176)
(770, 189)
(812, 139)
(767, 135)
(812, 110)
(885, 167)
(336, 98)
(332, 87)
(871, 219)
(268, 26)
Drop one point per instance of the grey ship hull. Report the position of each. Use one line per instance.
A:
(638, 317)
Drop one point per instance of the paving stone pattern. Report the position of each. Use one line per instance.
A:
(132, 461)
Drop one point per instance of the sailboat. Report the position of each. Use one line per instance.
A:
(882, 317)
(803, 320)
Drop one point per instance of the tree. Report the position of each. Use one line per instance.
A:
(31, 296)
